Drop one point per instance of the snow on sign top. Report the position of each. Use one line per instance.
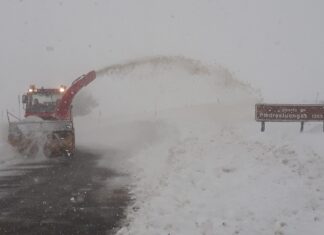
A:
(289, 112)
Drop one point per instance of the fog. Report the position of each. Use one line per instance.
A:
(274, 45)
(169, 120)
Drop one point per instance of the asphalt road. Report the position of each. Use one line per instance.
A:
(61, 196)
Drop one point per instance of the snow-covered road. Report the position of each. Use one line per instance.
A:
(61, 196)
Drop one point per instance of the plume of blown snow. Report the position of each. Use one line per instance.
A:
(153, 84)
(141, 101)
(84, 103)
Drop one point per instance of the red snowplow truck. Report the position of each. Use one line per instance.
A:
(48, 125)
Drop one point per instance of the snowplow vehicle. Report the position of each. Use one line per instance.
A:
(48, 124)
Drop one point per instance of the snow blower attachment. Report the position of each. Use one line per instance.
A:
(48, 124)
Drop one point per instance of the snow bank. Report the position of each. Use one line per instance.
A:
(215, 179)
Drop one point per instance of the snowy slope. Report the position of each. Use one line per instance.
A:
(197, 161)
(213, 179)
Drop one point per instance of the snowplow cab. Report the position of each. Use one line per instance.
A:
(42, 102)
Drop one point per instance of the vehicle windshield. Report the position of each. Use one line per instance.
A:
(44, 102)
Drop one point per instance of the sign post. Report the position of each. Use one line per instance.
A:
(289, 113)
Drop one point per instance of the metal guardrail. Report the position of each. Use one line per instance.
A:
(13, 116)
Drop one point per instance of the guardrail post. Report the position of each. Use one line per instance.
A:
(301, 126)
(263, 126)
(8, 117)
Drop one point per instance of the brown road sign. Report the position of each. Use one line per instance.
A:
(289, 112)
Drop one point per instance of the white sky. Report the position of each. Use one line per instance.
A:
(277, 45)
